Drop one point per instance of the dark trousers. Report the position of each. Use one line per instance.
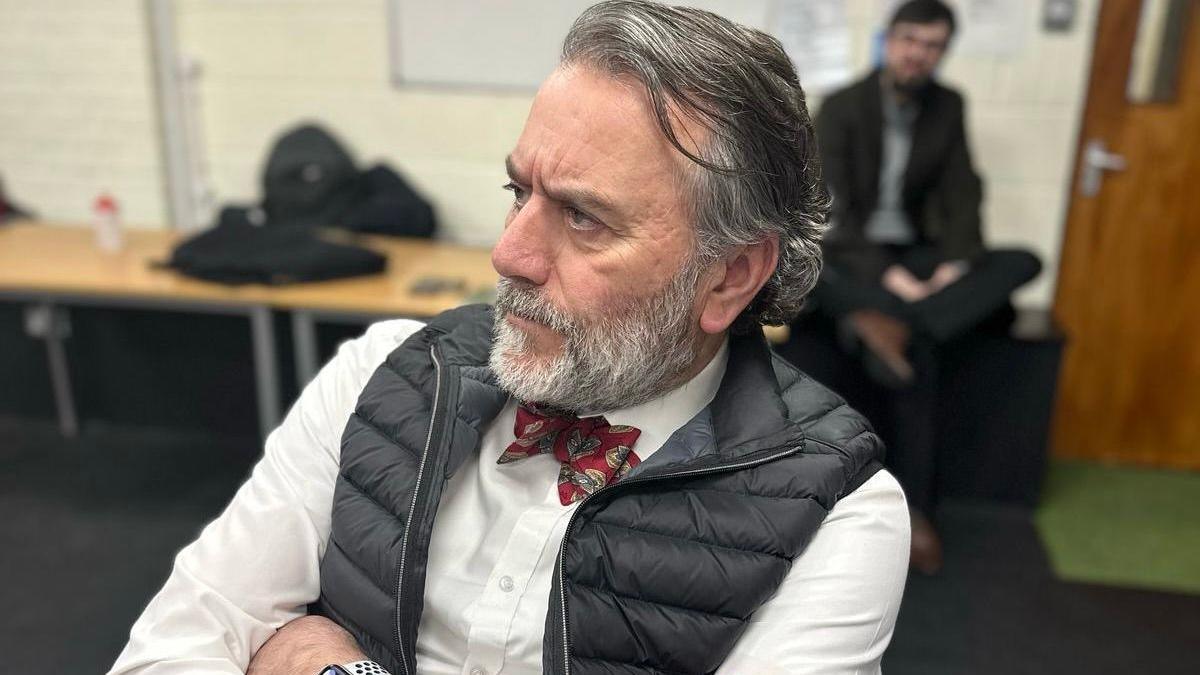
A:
(955, 311)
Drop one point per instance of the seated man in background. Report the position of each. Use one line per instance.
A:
(606, 472)
(905, 266)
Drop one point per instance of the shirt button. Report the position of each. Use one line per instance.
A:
(506, 585)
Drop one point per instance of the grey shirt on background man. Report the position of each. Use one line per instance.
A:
(889, 224)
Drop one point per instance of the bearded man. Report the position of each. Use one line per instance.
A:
(607, 472)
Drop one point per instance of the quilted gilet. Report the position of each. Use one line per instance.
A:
(664, 568)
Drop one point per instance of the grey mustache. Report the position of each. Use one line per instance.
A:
(527, 304)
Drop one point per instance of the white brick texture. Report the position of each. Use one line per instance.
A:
(77, 112)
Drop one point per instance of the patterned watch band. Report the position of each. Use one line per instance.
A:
(364, 667)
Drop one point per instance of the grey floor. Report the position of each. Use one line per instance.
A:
(89, 528)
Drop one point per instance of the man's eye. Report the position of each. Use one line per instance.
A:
(578, 220)
(519, 194)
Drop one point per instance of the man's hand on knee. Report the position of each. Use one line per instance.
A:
(947, 273)
(303, 647)
(898, 281)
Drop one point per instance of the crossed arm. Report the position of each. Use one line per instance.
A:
(833, 614)
(303, 647)
(241, 589)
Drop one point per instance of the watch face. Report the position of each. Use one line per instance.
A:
(333, 670)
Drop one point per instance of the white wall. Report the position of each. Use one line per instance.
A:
(270, 63)
(1025, 114)
(77, 112)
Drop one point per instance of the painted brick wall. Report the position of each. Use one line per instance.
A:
(269, 64)
(1024, 116)
(77, 112)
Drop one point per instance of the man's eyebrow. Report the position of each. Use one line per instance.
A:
(511, 168)
(585, 197)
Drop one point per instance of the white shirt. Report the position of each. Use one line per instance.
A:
(496, 536)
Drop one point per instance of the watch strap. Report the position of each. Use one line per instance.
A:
(363, 667)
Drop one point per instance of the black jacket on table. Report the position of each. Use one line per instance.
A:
(941, 192)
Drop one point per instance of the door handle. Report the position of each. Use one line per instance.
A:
(1096, 160)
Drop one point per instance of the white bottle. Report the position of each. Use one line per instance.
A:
(106, 220)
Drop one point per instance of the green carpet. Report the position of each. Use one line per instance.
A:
(1122, 526)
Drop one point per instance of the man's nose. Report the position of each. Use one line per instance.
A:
(524, 252)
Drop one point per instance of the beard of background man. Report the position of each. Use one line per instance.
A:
(629, 355)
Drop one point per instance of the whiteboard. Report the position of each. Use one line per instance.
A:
(502, 44)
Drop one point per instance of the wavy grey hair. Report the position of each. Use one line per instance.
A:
(758, 176)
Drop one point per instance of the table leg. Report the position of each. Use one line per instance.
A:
(304, 338)
(266, 369)
(68, 419)
(50, 323)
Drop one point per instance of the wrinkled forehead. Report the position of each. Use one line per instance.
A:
(587, 124)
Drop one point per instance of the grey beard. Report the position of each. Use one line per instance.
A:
(610, 362)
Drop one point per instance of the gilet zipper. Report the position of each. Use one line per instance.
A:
(562, 589)
(412, 514)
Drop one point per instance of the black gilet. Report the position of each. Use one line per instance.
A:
(658, 573)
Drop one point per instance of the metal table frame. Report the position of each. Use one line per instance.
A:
(55, 305)
(304, 336)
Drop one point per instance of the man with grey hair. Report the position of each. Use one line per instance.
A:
(607, 472)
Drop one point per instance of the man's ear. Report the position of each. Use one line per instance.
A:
(734, 281)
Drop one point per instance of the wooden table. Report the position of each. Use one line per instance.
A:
(51, 267)
(366, 299)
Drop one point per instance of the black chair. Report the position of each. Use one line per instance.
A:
(995, 399)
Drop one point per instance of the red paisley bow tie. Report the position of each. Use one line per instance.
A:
(593, 452)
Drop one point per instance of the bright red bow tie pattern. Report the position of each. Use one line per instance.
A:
(593, 453)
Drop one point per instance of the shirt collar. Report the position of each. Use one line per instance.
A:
(660, 417)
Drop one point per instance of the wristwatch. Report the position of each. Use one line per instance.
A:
(354, 668)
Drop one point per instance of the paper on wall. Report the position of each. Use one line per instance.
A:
(816, 36)
(985, 27)
(992, 27)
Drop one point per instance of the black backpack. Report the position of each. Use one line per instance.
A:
(310, 184)
(310, 180)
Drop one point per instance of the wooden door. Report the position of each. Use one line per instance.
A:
(1129, 287)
